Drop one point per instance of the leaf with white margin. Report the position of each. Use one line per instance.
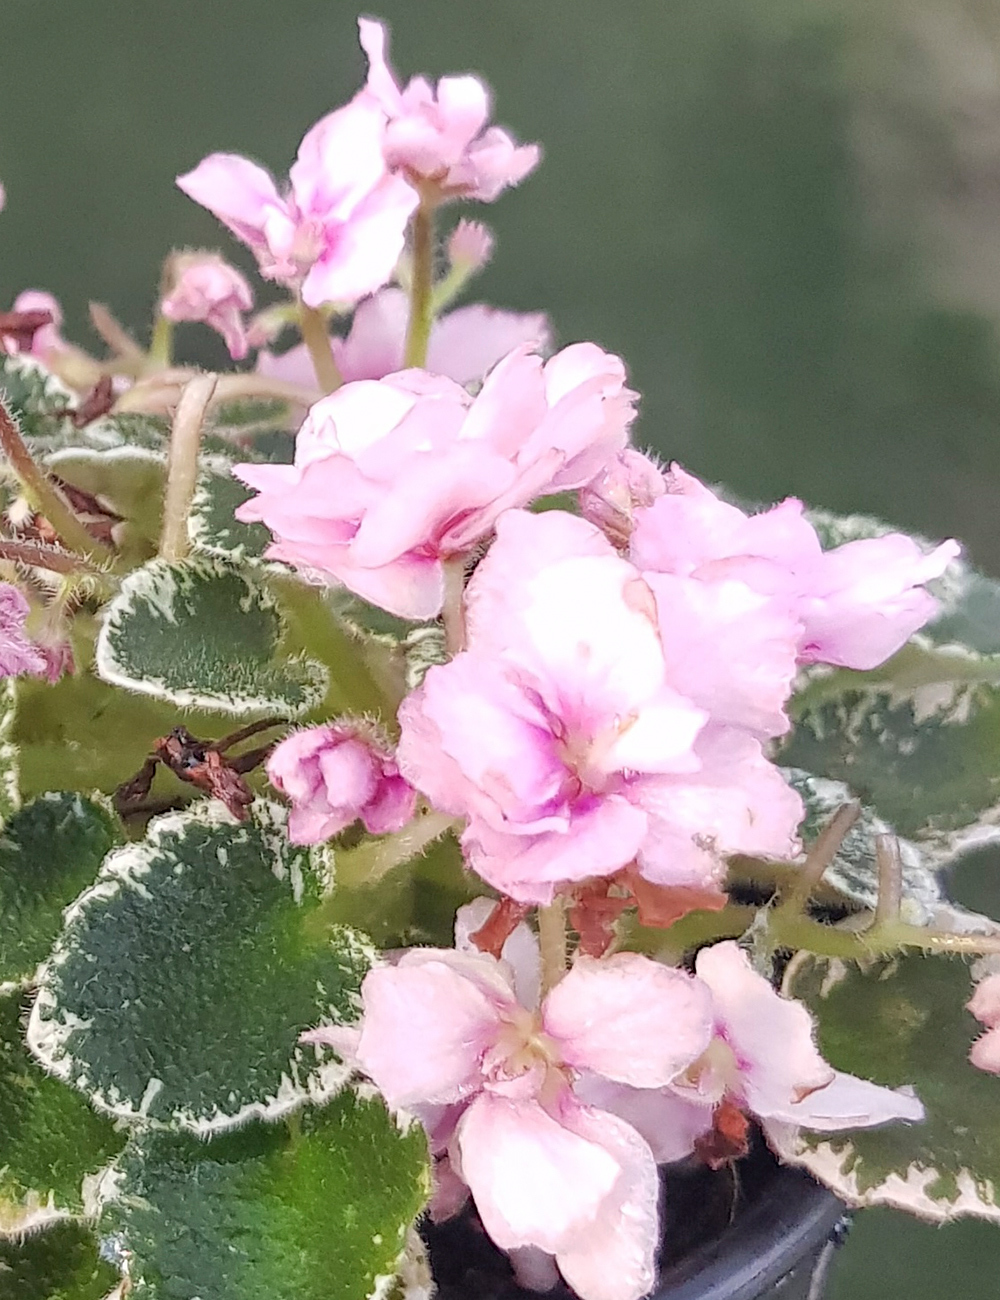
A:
(212, 525)
(53, 1148)
(853, 873)
(49, 851)
(127, 480)
(184, 976)
(902, 1021)
(62, 1264)
(318, 1210)
(204, 634)
(34, 395)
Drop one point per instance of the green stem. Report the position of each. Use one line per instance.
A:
(821, 853)
(552, 943)
(418, 331)
(182, 465)
(161, 345)
(43, 495)
(374, 858)
(453, 609)
(316, 336)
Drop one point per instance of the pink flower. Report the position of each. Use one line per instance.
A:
(470, 246)
(629, 481)
(392, 478)
(762, 1058)
(560, 736)
(985, 1006)
(47, 340)
(337, 232)
(17, 653)
(206, 288)
(856, 605)
(464, 344)
(439, 134)
(334, 774)
(445, 1029)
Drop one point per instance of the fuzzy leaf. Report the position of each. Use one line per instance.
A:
(211, 523)
(34, 395)
(314, 1211)
(49, 852)
(202, 634)
(53, 1147)
(903, 1022)
(853, 873)
(129, 481)
(61, 1264)
(185, 975)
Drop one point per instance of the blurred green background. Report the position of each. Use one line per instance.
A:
(785, 215)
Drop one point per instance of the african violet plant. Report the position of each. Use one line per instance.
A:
(405, 780)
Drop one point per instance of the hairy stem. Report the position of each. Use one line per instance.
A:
(316, 336)
(38, 556)
(890, 882)
(821, 853)
(182, 466)
(374, 858)
(43, 495)
(552, 943)
(453, 609)
(418, 331)
(114, 334)
(161, 346)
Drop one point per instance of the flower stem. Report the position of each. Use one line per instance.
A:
(182, 466)
(552, 943)
(890, 882)
(453, 609)
(316, 336)
(43, 495)
(374, 858)
(821, 853)
(38, 556)
(418, 331)
(161, 345)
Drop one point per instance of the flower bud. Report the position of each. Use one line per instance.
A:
(204, 287)
(470, 246)
(629, 482)
(336, 773)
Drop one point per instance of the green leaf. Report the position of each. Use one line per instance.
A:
(61, 1264)
(853, 873)
(315, 1211)
(203, 634)
(53, 1147)
(903, 1021)
(211, 523)
(130, 481)
(49, 852)
(34, 395)
(185, 975)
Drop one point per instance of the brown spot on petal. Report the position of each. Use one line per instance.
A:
(498, 926)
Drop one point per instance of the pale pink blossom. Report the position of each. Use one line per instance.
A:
(394, 477)
(561, 739)
(336, 232)
(333, 775)
(18, 654)
(856, 604)
(626, 483)
(444, 1028)
(763, 1059)
(3, 197)
(985, 1006)
(470, 246)
(205, 287)
(464, 344)
(438, 135)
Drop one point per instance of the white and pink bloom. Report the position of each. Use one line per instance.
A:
(336, 232)
(562, 739)
(438, 135)
(18, 653)
(205, 287)
(985, 1006)
(394, 478)
(856, 604)
(335, 774)
(464, 344)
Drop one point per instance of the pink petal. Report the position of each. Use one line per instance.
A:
(237, 191)
(985, 1052)
(985, 1001)
(847, 1103)
(668, 1123)
(339, 162)
(381, 83)
(465, 344)
(520, 951)
(629, 1018)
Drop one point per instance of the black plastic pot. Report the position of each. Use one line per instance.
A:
(756, 1232)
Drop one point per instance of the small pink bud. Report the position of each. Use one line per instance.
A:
(470, 246)
(336, 773)
(18, 654)
(630, 482)
(206, 288)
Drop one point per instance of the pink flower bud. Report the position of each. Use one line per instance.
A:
(336, 773)
(470, 246)
(17, 653)
(206, 288)
(985, 1006)
(629, 482)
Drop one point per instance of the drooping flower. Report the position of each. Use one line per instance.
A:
(985, 1006)
(205, 287)
(762, 1059)
(18, 654)
(333, 775)
(392, 478)
(560, 736)
(464, 344)
(445, 1029)
(438, 135)
(338, 229)
(857, 604)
